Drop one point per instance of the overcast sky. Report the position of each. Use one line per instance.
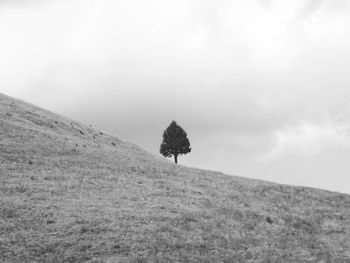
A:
(262, 87)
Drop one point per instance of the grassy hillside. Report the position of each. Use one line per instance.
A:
(71, 193)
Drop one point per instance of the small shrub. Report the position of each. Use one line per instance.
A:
(50, 221)
(268, 220)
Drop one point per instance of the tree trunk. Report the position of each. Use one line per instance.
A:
(175, 157)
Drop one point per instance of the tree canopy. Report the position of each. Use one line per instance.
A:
(175, 141)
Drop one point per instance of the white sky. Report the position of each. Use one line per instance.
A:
(262, 87)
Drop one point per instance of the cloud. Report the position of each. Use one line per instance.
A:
(311, 6)
(308, 139)
(239, 56)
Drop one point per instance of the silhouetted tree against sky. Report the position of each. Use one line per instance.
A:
(175, 141)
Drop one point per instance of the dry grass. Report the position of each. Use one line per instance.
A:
(70, 193)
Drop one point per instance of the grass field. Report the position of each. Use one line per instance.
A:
(71, 193)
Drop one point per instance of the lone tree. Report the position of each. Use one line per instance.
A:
(175, 141)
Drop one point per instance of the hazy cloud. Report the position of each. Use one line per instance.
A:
(309, 139)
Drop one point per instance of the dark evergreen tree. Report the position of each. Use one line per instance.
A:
(175, 141)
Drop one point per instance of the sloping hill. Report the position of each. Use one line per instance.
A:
(70, 193)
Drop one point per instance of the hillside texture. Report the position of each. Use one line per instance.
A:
(71, 193)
